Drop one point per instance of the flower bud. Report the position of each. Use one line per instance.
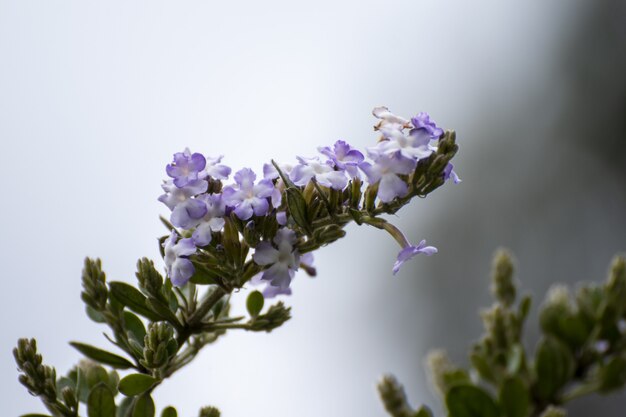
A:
(503, 285)
(95, 292)
(393, 397)
(209, 412)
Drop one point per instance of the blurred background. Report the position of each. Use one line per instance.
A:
(95, 97)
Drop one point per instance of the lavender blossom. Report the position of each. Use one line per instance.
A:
(386, 169)
(422, 121)
(448, 173)
(343, 157)
(178, 267)
(186, 167)
(324, 174)
(415, 145)
(215, 170)
(248, 199)
(410, 251)
(387, 118)
(282, 257)
(213, 220)
(186, 211)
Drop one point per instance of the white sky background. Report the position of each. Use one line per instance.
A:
(96, 96)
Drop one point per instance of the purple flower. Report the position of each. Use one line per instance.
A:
(448, 173)
(186, 167)
(248, 199)
(271, 173)
(215, 170)
(422, 121)
(269, 291)
(186, 211)
(387, 118)
(282, 257)
(281, 218)
(212, 221)
(178, 267)
(415, 145)
(344, 157)
(410, 251)
(386, 169)
(324, 174)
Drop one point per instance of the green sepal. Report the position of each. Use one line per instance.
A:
(102, 356)
(135, 384)
(470, 401)
(254, 303)
(298, 208)
(143, 406)
(132, 298)
(169, 412)
(101, 402)
(554, 366)
(514, 398)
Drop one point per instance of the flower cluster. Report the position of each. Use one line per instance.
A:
(296, 208)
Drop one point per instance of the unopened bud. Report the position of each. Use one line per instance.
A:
(393, 397)
(209, 412)
(503, 286)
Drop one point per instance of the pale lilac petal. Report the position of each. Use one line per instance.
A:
(181, 271)
(260, 207)
(301, 174)
(333, 179)
(265, 254)
(244, 210)
(278, 275)
(373, 174)
(202, 235)
(410, 251)
(245, 178)
(264, 188)
(281, 218)
(390, 187)
(271, 291)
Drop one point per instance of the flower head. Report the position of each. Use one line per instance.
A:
(324, 174)
(186, 211)
(215, 170)
(186, 167)
(410, 251)
(282, 257)
(248, 198)
(385, 170)
(422, 121)
(343, 157)
(212, 221)
(178, 267)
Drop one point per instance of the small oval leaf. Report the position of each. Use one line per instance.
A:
(514, 398)
(169, 412)
(102, 356)
(470, 401)
(254, 303)
(136, 384)
(132, 298)
(144, 407)
(100, 402)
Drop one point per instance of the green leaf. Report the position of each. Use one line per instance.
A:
(514, 398)
(470, 401)
(132, 298)
(613, 375)
(125, 407)
(134, 327)
(144, 406)
(482, 366)
(298, 208)
(554, 366)
(203, 275)
(169, 412)
(524, 308)
(102, 356)
(254, 303)
(135, 384)
(423, 412)
(163, 310)
(100, 402)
